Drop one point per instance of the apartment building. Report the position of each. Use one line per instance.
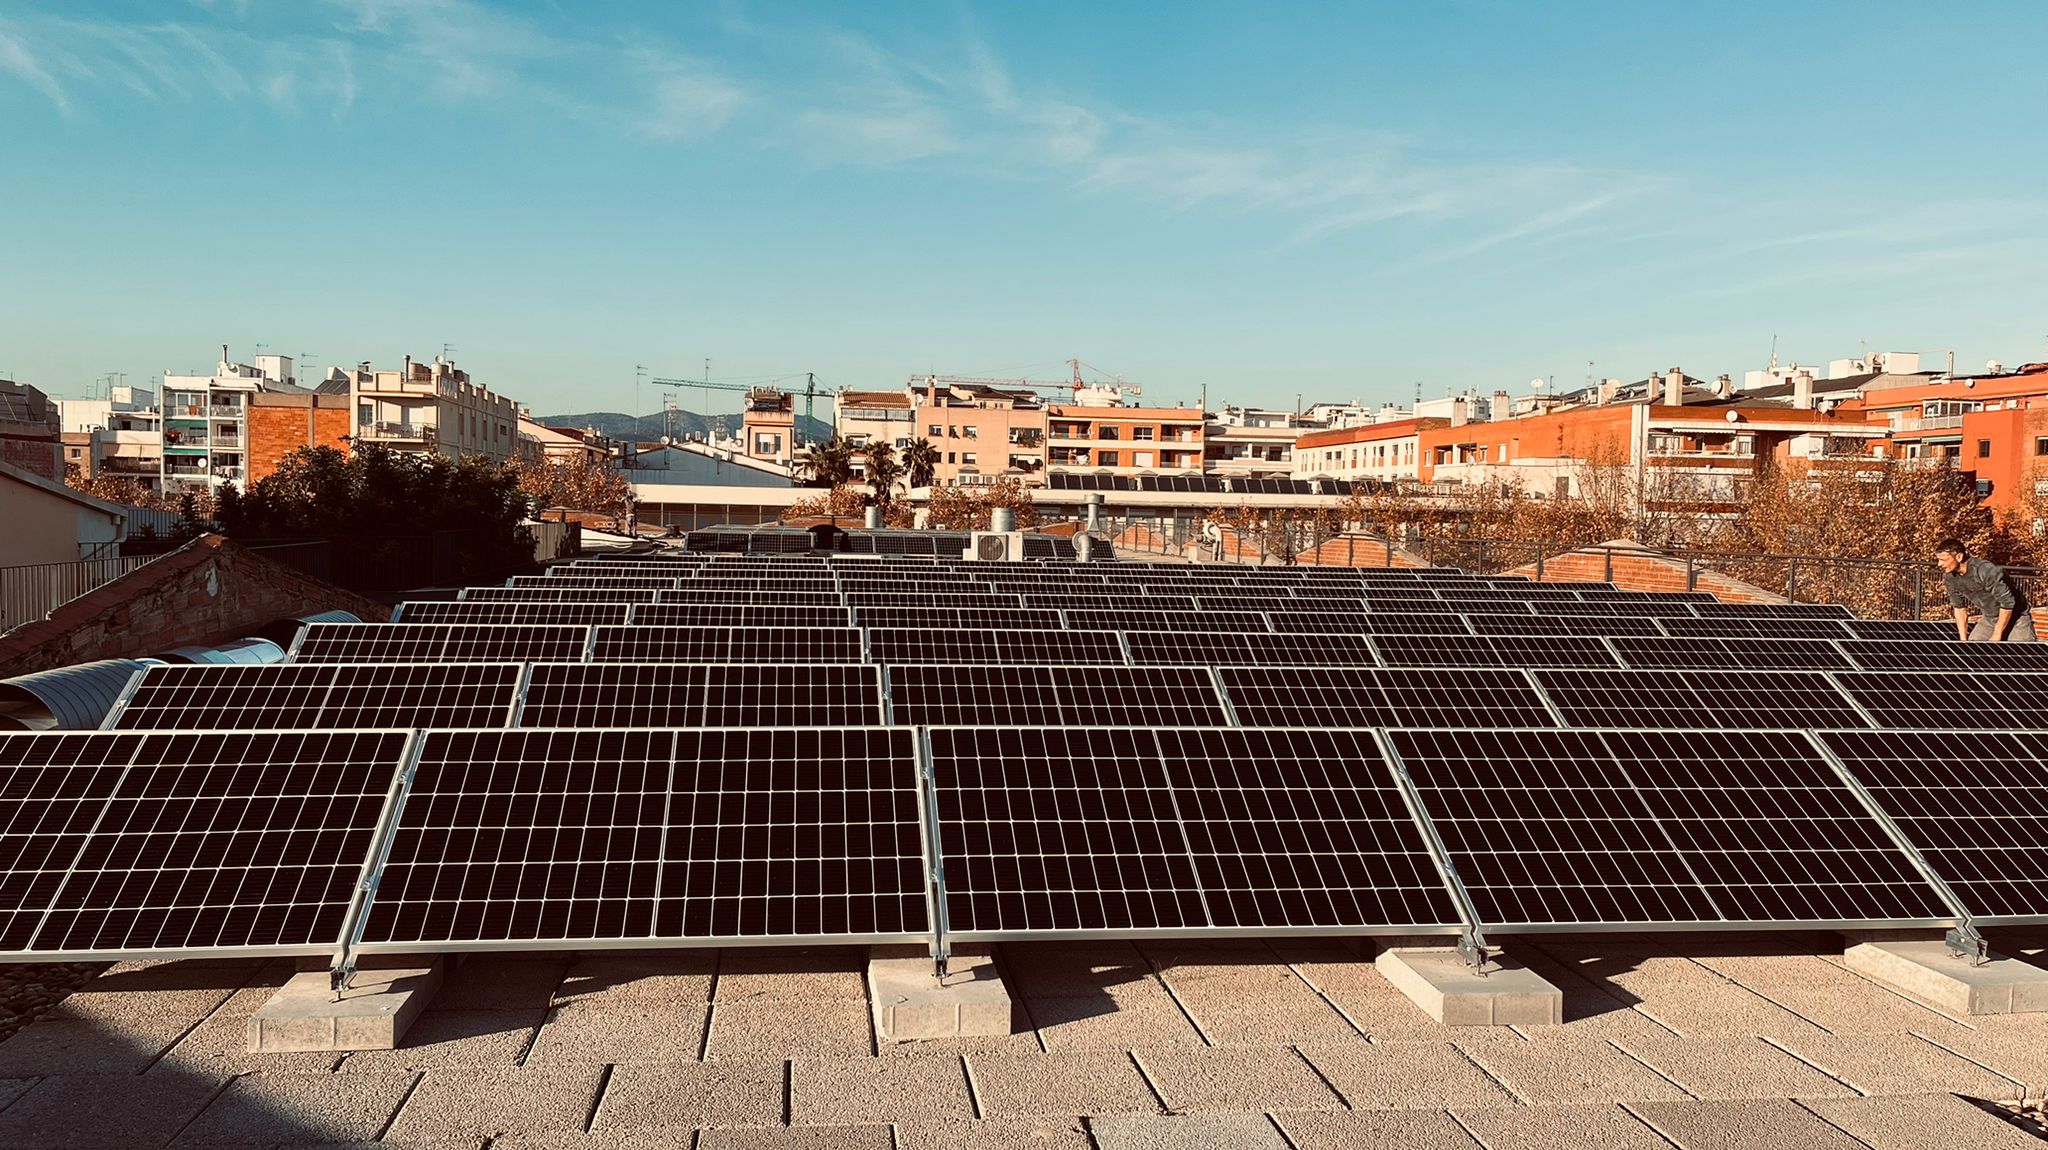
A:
(768, 425)
(281, 422)
(860, 418)
(428, 407)
(205, 420)
(1251, 441)
(120, 434)
(540, 443)
(1386, 452)
(1992, 427)
(1122, 440)
(30, 433)
(981, 433)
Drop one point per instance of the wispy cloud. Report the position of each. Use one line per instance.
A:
(17, 59)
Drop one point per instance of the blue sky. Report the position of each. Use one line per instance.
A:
(1336, 200)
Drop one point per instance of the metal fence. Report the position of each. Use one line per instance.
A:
(31, 591)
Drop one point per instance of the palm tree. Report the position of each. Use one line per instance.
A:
(920, 460)
(826, 464)
(883, 471)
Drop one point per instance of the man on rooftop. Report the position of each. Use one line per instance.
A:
(1984, 585)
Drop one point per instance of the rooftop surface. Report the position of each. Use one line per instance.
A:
(1703, 1043)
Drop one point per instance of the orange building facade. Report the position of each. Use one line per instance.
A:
(282, 422)
(1389, 452)
(1124, 440)
(1995, 430)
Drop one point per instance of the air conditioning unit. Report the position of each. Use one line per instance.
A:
(995, 546)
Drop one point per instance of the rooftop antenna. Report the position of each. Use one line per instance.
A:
(1774, 353)
(447, 353)
(639, 370)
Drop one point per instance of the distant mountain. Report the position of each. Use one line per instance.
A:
(685, 424)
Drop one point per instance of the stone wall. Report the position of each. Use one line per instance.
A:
(1634, 567)
(211, 590)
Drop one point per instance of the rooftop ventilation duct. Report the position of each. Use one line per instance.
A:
(66, 699)
(241, 651)
(284, 631)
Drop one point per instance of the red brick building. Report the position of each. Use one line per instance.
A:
(281, 422)
(29, 431)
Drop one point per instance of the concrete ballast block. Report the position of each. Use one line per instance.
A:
(1447, 988)
(911, 1003)
(1928, 970)
(373, 1014)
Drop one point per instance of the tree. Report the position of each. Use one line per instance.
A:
(578, 484)
(972, 508)
(117, 489)
(826, 464)
(921, 461)
(883, 471)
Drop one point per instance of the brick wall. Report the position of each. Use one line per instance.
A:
(32, 448)
(276, 428)
(1637, 568)
(209, 591)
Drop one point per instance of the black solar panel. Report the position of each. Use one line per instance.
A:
(1900, 628)
(1493, 651)
(1772, 611)
(1755, 628)
(1733, 654)
(655, 644)
(440, 643)
(239, 842)
(907, 645)
(463, 611)
(1144, 619)
(1723, 700)
(1383, 697)
(960, 618)
(760, 598)
(738, 615)
(321, 696)
(924, 597)
(1986, 700)
(1625, 608)
(1594, 626)
(1066, 830)
(558, 838)
(1596, 595)
(584, 695)
(1237, 648)
(1372, 623)
(1275, 600)
(955, 695)
(1945, 655)
(1114, 601)
(1975, 804)
(1622, 828)
(594, 582)
(1396, 594)
(555, 595)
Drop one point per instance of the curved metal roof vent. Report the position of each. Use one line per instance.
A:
(66, 699)
(239, 651)
(284, 631)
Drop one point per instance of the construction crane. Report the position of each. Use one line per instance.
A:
(810, 393)
(1074, 384)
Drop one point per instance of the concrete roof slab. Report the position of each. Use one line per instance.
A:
(1091, 1082)
(596, 1031)
(678, 1139)
(1594, 1127)
(798, 1138)
(1035, 1133)
(789, 1028)
(1560, 1070)
(1235, 1078)
(853, 1091)
(1911, 1122)
(2017, 1052)
(284, 1108)
(473, 1101)
(1732, 1066)
(72, 1046)
(1349, 1129)
(105, 1110)
(1187, 1132)
(126, 1007)
(1368, 1002)
(1405, 1076)
(686, 1095)
(446, 1038)
(1098, 1023)
(824, 974)
(615, 979)
(1745, 1124)
(220, 1045)
(501, 982)
(1055, 970)
(1902, 1064)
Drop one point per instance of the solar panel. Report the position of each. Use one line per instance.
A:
(1945, 654)
(1724, 700)
(1755, 628)
(439, 643)
(464, 611)
(1493, 651)
(1383, 697)
(584, 695)
(918, 645)
(1065, 830)
(645, 644)
(960, 695)
(1987, 700)
(1398, 593)
(1625, 608)
(226, 843)
(1594, 595)
(560, 838)
(1733, 654)
(766, 581)
(1275, 601)
(1507, 593)
(321, 696)
(1144, 619)
(1487, 623)
(924, 597)
(1116, 601)
(1900, 628)
(556, 595)
(1615, 829)
(737, 615)
(958, 618)
(1372, 623)
(1229, 648)
(1974, 803)
(594, 582)
(1772, 611)
(761, 598)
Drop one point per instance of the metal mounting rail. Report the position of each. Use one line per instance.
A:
(935, 858)
(1472, 944)
(352, 924)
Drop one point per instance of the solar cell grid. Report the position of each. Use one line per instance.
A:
(1493, 651)
(1111, 602)
(1617, 595)
(235, 842)
(902, 597)
(1899, 629)
(585, 695)
(1732, 654)
(1947, 654)
(955, 618)
(462, 611)
(961, 695)
(920, 645)
(1490, 623)
(1226, 648)
(1987, 700)
(1754, 628)
(1388, 593)
(766, 597)
(738, 615)
(1771, 611)
(593, 582)
(1143, 619)
(706, 644)
(555, 595)
(1274, 601)
(1376, 622)
(439, 643)
(1621, 828)
(555, 838)
(1383, 697)
(1718, 699)
(321, 696)
(1626, 608)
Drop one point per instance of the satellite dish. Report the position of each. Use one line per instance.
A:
(1735, 417)
(665, 441)
(1537, 384)
(1994, 367)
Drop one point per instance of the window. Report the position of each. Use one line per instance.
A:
(1141, 459)
(1108, 432)
(1983, 449)
(952, 432)
(949, 458)
(1141, 433)
(934, 431)
(967, 459)
(1106, 459)
(2041, 446)
(967, 431)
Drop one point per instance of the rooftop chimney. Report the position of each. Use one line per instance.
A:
(1802, 390)
(1724, 386)
(1674, 388)
(1608, 389)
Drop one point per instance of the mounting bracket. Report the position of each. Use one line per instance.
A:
(1473, 948)
(1968, 944)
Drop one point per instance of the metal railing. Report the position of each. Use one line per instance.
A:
(31, 591)
(383, 430)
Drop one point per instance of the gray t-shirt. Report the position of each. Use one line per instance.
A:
(1985, 586)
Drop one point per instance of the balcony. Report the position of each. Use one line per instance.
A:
(382, 430)
(225, 411)
(187, 439)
